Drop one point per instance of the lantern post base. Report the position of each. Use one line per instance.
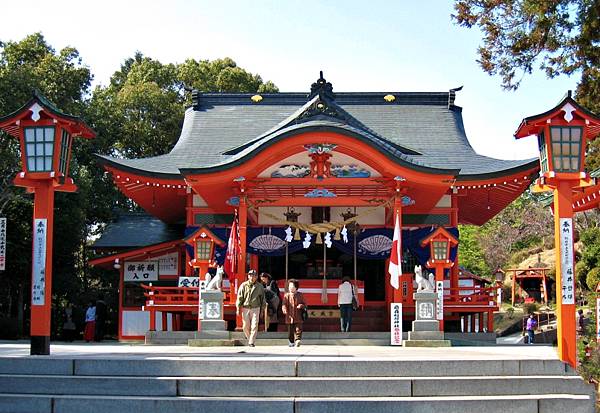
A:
(40, 346)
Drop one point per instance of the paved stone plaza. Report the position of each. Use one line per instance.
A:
(134, 350)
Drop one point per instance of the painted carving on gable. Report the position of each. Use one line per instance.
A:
(291, 171)
(349, 171)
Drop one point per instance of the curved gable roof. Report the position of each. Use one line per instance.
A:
(420, 130)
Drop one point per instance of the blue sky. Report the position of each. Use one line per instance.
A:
(361, 46)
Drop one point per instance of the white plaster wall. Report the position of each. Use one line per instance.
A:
(136, 323)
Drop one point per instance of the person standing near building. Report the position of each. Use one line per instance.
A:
(293, 306)
(250, 302)
(530, 328)
(581, 322)
(273, 301)
(100, 317)
(90, 323)
(345, 295)
(69, 326)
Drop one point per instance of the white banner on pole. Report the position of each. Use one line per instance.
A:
(38, 278)
(2, 244)
(439, 289)
(141, 271)
(566, 261)
(396, 324)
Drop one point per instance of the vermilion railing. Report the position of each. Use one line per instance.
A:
(174, 296)
(471, 296)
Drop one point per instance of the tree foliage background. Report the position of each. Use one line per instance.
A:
(139, 113)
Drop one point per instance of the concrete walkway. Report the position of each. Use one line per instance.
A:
(116, 350)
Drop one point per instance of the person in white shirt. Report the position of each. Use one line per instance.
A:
(345, 294)
(90, 323)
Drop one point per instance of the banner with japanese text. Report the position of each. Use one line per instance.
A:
(38, 278)
(2, 244)
(396, 324)
(566, 261)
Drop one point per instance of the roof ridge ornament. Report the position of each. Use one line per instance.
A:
(322, 88)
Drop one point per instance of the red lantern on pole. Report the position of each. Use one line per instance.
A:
(45, 136)
(439, 242)
(563, 133)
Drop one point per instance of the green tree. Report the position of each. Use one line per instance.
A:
(561, 36)
(524, 223)
(471, 255)
(62, 77)
(555, 36)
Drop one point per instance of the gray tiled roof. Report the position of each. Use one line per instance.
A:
(421, 130)
(132, 230)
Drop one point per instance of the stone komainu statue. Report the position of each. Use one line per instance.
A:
(216, 281)
(423, 283)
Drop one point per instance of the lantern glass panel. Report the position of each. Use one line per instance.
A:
(566, 148)
(440, 250)
(65, 143)
(203, 250)
(39, 148)
(543, 153)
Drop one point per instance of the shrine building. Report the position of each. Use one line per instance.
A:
(313, 182)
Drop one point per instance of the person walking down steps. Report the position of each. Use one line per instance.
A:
(292, 307)
(250, 302)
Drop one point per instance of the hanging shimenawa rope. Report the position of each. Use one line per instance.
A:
(321, 227)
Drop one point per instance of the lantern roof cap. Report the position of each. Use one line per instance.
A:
(532, 125)
(77, 124)
(436, 234)
(203, 233)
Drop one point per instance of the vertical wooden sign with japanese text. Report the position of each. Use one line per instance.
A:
(38, 279)
(439, 289)
(396, 324)
(566, 261)
(2, 244)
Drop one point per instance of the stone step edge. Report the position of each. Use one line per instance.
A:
(263, 398)
(290, 378)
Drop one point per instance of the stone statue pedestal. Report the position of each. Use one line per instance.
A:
(212, 311)
(426, 329)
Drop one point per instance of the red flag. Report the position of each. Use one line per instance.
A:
(395, 266)
(233, 249)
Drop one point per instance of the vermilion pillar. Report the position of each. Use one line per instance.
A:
(41, 280)
(563, 209)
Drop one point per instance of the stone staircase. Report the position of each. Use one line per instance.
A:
(256, 383)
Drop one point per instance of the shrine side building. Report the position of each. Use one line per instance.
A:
(314, 181)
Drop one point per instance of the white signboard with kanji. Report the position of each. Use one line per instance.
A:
(141, 271)
(439, 289)
(566, 261)
(2, 244)
(38, 276)
(396, 324)
(168, 264)
(191, 282)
